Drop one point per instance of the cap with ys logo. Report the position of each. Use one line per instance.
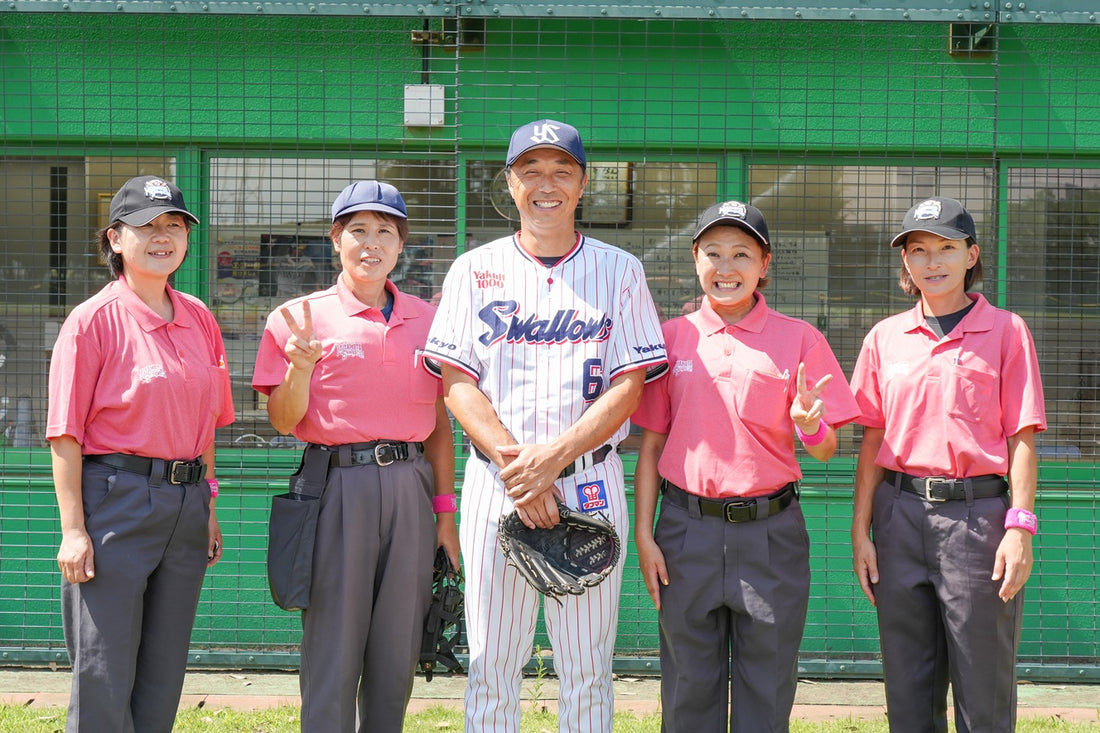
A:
(546, 134)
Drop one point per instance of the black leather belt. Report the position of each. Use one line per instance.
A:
(731, 510)
(935, 488)
(174, 472)
(585, 462)
(375, 453)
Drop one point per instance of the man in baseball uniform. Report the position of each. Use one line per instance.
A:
(543, 340)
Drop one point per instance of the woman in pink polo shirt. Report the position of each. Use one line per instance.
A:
(951, 400)
(138, 382)
(728, 564)
(339, 368)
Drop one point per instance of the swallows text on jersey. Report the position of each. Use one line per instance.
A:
(502, 318)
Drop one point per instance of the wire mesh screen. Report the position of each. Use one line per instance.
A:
(832, 128)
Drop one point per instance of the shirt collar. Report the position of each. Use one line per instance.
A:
(711, 323)
(578, 241)
(353, 306)
(146, 317)
(980, 318)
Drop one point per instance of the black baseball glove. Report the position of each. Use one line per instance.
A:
(441, 625)
(573, 555)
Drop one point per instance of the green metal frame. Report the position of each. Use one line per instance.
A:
(1046, 11)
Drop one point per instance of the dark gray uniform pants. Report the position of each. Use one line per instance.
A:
(731, 619)
(940, 618)
(128, 629)
(372, 583)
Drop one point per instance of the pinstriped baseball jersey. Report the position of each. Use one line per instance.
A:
(544, 342)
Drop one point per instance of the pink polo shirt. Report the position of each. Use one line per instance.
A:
(124, 380)
(949, 405)
(725, 404)
(367, 384)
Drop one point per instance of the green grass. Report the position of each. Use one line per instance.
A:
(286, 720)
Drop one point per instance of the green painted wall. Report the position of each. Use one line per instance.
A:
(137, 79)
(871, 86)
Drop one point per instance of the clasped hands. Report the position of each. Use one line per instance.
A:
(528, 473)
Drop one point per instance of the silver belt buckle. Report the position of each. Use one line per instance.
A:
(388, 448)
(731, 507)
(180, 472)
(938, 489)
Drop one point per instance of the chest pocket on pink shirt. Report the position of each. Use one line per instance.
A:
(216, 376)
(971, 394)
(423, 387)
(763, 399)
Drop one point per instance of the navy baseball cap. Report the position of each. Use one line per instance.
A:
(941, 216)
(142, 199)
(737, 214)
(546, 134)
(369, 196)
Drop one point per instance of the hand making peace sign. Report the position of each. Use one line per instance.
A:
(302, 348)
(808, 408)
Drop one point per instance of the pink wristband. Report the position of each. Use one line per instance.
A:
(1022, 519)
(213, 487)
(814, 439)
(443, 503)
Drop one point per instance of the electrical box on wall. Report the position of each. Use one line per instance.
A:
(424, 105)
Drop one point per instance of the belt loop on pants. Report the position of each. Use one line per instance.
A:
(894, 479)
(748, 509)
(968, 490)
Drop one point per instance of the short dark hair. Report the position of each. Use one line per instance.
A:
(973, 275)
